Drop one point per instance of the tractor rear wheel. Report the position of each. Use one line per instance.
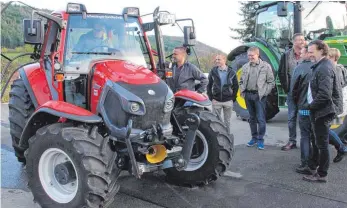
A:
(20, 109)
(240, 105)
(212, 152)
(71, 167)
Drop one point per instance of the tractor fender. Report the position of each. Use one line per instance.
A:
(194, 97)
(35, 81)
(50, 112)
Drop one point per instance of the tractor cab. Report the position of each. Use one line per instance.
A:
(73, 41)
(276, 22)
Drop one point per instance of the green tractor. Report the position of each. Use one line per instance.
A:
(276, 22)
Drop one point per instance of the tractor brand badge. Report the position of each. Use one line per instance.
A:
(151, 92)
(131, 66)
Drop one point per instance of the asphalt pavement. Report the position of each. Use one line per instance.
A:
(257, 178)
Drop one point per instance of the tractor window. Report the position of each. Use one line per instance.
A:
(274, 29)
(324, 18)
(103, 36)
(52, 36)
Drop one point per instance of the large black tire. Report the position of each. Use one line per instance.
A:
(92, 157)
(272, 99)
(20, 109)
(220, 152)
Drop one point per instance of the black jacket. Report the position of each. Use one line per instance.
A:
(326, 90)
(283, 71)
(300, 82)
(229, 90)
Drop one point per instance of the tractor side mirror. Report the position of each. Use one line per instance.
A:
(33, 31)
(189, 36)
(282, 9)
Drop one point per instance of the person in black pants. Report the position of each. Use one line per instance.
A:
(322, 106)
(299, 86)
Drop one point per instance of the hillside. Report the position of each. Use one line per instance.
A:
(12, 25)
(171, 42)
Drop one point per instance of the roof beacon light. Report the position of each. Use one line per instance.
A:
(131, 11)
(75, 8)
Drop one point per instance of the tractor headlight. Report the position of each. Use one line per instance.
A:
(134, 107)
(169, 101)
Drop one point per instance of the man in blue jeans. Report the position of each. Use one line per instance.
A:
(256, 83)
(299, 86)
(290, 60)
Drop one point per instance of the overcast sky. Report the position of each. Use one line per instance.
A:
(212, 18)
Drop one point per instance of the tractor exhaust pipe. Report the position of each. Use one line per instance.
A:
(156, 154)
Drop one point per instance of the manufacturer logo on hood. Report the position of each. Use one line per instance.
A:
(131, 66)
(151, 92)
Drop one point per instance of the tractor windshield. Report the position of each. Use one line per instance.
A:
(101, 36)
(273, 29)
(324, 18)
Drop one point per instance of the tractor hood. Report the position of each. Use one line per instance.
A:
(126, 72)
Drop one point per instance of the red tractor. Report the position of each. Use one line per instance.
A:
(91, 108)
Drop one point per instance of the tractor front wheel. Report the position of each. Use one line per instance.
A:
(71, 167)
(212, 152)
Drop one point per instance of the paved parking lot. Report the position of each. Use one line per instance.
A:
(256, 178)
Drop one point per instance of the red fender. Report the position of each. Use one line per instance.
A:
(69, 111)
(52, 112)
(35, 81)
(193, 96)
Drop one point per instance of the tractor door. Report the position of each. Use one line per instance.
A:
(49, 59)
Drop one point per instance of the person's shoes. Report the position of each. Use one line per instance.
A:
(289, 146)
(338, 157)
(260, 145)
(304, 169)
(252, 143)
(315, 178)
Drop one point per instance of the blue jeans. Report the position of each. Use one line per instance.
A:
(335, 140)
(292, 117)
(307, 137)
(257, 115)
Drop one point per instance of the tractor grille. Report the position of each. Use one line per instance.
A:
(154, 104)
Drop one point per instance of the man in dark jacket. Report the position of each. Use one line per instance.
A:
(299, 86)
(185, 73)
(288, 62)
(222, 88)
(322, 108)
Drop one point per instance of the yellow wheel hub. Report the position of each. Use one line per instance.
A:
(240, 100)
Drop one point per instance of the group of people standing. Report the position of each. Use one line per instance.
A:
(314, 84)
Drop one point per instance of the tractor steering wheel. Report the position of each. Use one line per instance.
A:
(108, 49)
(83, 55)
